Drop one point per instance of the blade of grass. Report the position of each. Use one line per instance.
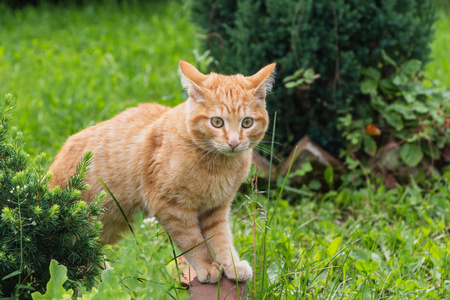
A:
(263, 292)
(218, 285)
(176, 260)
(282, 188)
(118, 205)
(331, 259)
(267, 223)
(268, 196)
(183, 253)
(15, 273)
(271, 154)
(235, 274)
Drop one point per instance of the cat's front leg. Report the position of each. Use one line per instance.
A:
(214, 225)
(184, 230)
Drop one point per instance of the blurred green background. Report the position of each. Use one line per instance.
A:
(71, 66)
(439, 67)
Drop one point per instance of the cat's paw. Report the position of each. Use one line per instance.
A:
(210, 274)
(242, 271)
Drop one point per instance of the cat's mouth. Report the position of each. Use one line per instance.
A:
(224, 149)
(228, 151)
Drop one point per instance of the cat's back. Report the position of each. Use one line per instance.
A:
(142, 115)
(108, 140)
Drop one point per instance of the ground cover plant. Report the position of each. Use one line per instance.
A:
(74, 66)
(365, 242)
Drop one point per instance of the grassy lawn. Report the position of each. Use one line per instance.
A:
(71, 67)
(439, 67)
(363, 244)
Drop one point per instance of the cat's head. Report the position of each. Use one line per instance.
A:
(226, 114)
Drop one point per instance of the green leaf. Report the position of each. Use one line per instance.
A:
(293, 76)
(441, 141)
(406, 111)
(411, 67)
(109, 277)
(343, 198)
(368, 86)
(399, 79)
(315, 185)
(305, 168)
(329, 176)
(15, 273)
(393, 119)
(110, 287)
(378, 102)
(387, 85)
(430, 152)
(55, 290)
(25, 287)
(409, 97)
(435, 250)
(411, 154)
(350, 162)
(334, 246)
(372, 73)
(420, 108)
(370, 146)
(366, 267)
(309, 74)
(388, 59)
(299, 82)
(290, 85)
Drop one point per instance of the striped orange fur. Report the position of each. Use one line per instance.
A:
(178, 165)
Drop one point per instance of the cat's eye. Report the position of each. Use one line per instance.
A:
(217, 122)
(247, 122)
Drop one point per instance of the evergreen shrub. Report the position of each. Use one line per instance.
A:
(336, 38)
(38, 224)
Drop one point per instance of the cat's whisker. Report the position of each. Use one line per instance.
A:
(200, 147)
(201, 141)
(264, 142)
(265, 151)
(207, 152)
(268, 142)
(211, 161)
(271, 133)
(257, 158)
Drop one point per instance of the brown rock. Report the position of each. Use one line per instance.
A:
(225, 289)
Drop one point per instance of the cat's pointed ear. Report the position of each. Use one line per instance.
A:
(263, 81)
(192, 79)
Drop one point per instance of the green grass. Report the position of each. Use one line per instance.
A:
(439, 67)
(369, 243)
(72, 67)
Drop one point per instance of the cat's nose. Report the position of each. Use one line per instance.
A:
(233, 144)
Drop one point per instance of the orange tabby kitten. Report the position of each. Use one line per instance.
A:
(183, 164)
